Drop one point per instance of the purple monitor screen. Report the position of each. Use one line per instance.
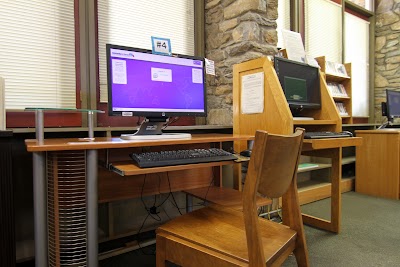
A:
(145, 84)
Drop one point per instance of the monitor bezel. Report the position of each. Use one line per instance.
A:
(299, 105)
(150, 114)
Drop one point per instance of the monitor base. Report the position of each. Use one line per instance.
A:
(164, 136)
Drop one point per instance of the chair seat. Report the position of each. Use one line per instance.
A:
(224, 196)
(220, 229)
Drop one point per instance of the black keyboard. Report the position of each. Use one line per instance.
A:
(179, 157)
(320, 135)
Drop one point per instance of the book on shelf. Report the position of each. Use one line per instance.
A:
(335, 68)
(337, 89)
(340, 69)
(342, 89)
(341, 108)
(307, 165)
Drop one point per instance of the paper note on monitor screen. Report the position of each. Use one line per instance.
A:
(252, 93)
(294, 46)
(119, 71)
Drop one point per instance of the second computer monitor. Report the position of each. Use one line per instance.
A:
(392, 104)
(300, 83)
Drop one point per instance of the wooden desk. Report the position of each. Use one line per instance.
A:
(378, 163)
(65, 173)
(330, 148)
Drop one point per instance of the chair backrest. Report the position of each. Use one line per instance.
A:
(272, 172)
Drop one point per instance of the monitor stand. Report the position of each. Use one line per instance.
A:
(296, 113)
(151, 129)
(385, 124)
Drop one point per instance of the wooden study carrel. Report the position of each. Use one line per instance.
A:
(277, 118)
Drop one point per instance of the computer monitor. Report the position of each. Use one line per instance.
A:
(300, 83)
(392, 104)
(154, 86)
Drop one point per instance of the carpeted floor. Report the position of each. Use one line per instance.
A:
(370, 236)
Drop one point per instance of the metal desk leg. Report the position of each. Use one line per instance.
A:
(91, 206)
(189, 203)
(40, 207)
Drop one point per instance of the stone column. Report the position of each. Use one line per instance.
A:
(387, 51)
(236, 31)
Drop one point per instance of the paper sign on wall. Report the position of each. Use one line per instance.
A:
(210, 66)
(252, 93)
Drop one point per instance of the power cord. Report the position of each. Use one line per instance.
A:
(175, 119)
(154, 211)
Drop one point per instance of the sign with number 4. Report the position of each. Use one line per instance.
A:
(161, 46)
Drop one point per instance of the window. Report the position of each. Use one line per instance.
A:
(283, 21)
(323, 33)
(357, 52)
(37, 53)
(132, 23)
(367, 4)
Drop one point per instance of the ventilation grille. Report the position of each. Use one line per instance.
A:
(66, 178)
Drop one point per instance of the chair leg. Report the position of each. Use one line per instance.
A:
(160, 251)
(293, 218)
(301, 256)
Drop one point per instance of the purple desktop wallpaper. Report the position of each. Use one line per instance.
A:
(142, 91)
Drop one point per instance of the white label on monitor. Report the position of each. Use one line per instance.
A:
(119, 71)
(197, 75)
(127, 114)
(161, 75)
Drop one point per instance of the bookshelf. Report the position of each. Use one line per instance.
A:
(338, 80)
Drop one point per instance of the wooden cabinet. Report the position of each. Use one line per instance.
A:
(338, 82)
(378, 163)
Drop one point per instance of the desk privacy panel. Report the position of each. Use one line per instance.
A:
(66, 208)
(7, 230)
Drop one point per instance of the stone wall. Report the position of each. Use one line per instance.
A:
(236, 31)
(387, 51)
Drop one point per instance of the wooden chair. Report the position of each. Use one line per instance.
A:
(221, 236)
